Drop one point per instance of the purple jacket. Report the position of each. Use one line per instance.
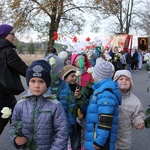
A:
(43, 122)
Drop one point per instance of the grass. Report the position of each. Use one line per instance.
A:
(28, 59)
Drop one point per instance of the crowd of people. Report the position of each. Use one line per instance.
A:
(75, 101)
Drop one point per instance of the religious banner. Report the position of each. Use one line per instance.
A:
(143, 43)
(122, 41)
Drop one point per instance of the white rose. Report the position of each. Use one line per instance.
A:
(77, 73)
(146, 58)
(52, 61)
(109, 58)
(89, 56)
(6, 111)
(89, 70)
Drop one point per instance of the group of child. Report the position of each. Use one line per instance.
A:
(50, 115)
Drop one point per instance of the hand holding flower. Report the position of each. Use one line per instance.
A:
(20, 140)
(96, 147)
(141, 125)
(89, 70)
(77, 93)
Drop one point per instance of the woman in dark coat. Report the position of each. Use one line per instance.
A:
(135, 60)
(15, 63)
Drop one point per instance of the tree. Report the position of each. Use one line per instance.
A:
(48, 17)
(31, 48)
(19, 46)
(122, 14)
(144, 16)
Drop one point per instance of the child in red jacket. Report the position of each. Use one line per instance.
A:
(82, 63)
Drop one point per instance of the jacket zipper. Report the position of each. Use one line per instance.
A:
(94, 130)
(33, 121)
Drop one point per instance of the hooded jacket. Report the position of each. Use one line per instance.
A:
(85, 76)
(102, 115)
(67, 101)
(130, 114)
(43, 122)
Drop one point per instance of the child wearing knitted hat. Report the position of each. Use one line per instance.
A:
(80, 107)
(130, 112)
(61, 89)
(64, 56)
(102, 111)
(38, 117)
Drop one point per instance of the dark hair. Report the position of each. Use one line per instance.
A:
(69, 74)
(51, 50)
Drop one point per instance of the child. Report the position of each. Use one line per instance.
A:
(82, 63)
(80, 105)
(130, 112)
(102, 112)
(61, 89)
(43, 119)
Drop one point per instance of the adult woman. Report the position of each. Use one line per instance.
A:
(14, 62)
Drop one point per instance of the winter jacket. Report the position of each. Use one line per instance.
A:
(130, 114)
(102, 115)
(128, 58)
(135, 56)
(80, 103)
(97, 54)
(66, 99)
(43, 122)
(15, 63)
(85, 76)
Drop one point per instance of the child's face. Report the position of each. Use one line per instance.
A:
(124, 84)
(71, 79)
(79, 64)
(37, 86)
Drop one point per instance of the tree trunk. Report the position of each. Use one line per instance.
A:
(121, 23)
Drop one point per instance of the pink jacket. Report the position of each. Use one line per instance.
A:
(85, 77)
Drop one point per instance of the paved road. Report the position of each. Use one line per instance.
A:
(141, 138)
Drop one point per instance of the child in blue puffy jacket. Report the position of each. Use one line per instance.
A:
(102, 111)
(80, 107)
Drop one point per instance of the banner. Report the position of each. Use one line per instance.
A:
(122, 41)
(143, 43)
